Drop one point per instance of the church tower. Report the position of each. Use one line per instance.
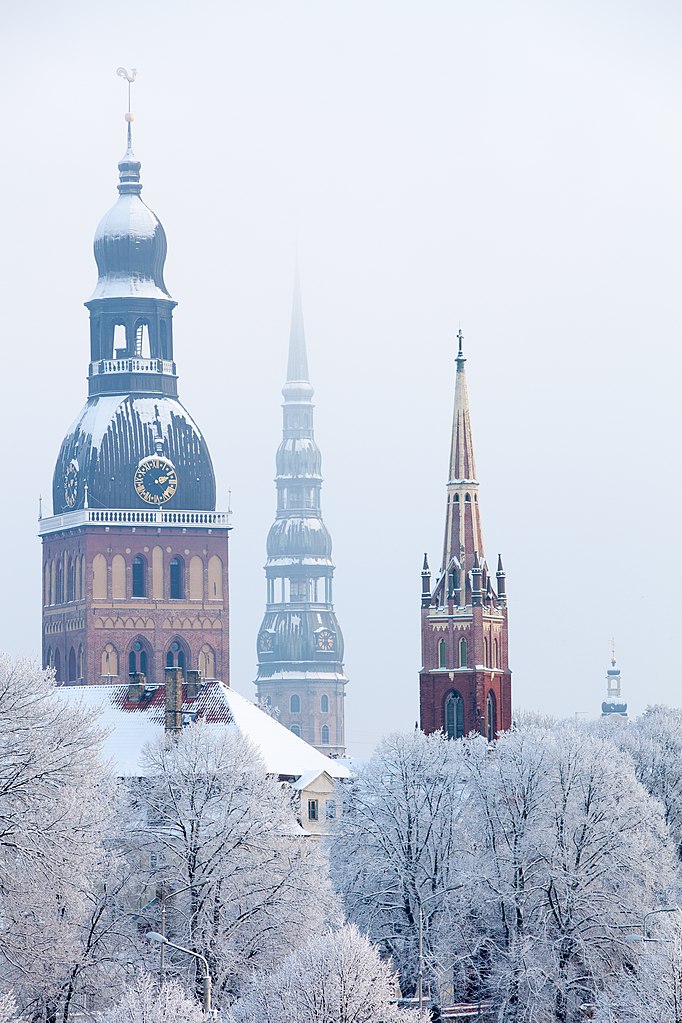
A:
(135, 553)
(465, 681)
(300, 646)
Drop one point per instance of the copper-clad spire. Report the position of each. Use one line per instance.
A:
(297, 386)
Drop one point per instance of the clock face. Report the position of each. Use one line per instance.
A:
(71, 483)
(265, 642)
(325, 640)
(155, 479)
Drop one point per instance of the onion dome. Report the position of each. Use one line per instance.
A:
(303, 537)
(130, 242)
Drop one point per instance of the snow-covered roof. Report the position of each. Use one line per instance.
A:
(130, 725)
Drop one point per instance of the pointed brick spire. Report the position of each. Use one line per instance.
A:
(463, 523)
(462, 465)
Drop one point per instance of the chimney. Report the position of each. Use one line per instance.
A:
(173, 685)
(193, 683)
(136, 686)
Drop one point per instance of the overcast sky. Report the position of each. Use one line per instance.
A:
(514, 167)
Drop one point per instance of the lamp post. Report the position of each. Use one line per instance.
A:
(155, 936)
(633, 939)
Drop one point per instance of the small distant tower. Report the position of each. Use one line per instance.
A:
(614, 706)
(300, 646)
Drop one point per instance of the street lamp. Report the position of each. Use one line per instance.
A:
(155, 936)
(634, 939)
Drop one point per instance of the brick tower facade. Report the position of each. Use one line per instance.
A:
(300, 645)
(135, 570)
(465, 681)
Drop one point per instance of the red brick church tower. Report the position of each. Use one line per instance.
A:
(135, 554)
(465, 681)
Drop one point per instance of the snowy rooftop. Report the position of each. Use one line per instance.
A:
(130, 725)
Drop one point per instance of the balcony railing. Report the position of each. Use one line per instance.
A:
(183, 519)
(132, 365)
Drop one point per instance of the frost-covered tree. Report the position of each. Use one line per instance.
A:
(398, 849)
(654, 741)
(337, 977)
(250, 885)
(542, 850)
(144, 1001)
(649, 989)
(60, 887)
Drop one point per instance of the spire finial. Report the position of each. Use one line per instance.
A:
(297, 386)
(613, 652)
(460, 354)
(129, 167)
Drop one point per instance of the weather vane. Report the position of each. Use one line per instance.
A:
(130, 78)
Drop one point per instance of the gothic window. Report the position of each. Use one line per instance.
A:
(137, 658)
(467, 497)
(295, 704)
(463, 653)
(118, 577)
(454, 716)
(324, 704)
(296, 729)
(490, 717)
(196, 578)
(46, 583)
(215, 578)
(71, 581)
(496, 654)
(442, 654)
(456, 498)
(325, 735)
(207, 661)
(48, 658)
(486, 659)
(99, 577)
(109, 660)
(58, 666)
(59, 588)
(177, 582)
(139, 576)
(177, 656)
(81, 664)
(71, 677)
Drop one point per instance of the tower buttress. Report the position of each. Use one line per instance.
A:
(300, 645)
(465, 681)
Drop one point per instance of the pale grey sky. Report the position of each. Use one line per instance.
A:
(514, 167)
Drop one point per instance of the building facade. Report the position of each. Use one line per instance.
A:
(299, 645)
(465, 681)
(135, 567)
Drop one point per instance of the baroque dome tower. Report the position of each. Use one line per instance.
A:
(300, 646)
(135, 553)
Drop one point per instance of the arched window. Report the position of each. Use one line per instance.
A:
(215, 578)
(58, 666)
(139, 576)
(80, 664)
(71, 581)
(454, 716)
(177, 582)
(196, 578)
(142, 348)
(118, 577)
(138, 660)
(207, 661)
(46, 583)
(177, 655)
(99, 577)
(325, 735)
(442, 654)
(109, 660)
(496, 653)
(462, 653)
(71, 676)
(120, 341)
(165, 349)
(486, 659)
(467, 497)
(48, 658)
(295, 704)
(324, 704)
(59, 587)
(296, 729)
(490, 717)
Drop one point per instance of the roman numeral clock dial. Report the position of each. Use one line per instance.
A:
(155, 479)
